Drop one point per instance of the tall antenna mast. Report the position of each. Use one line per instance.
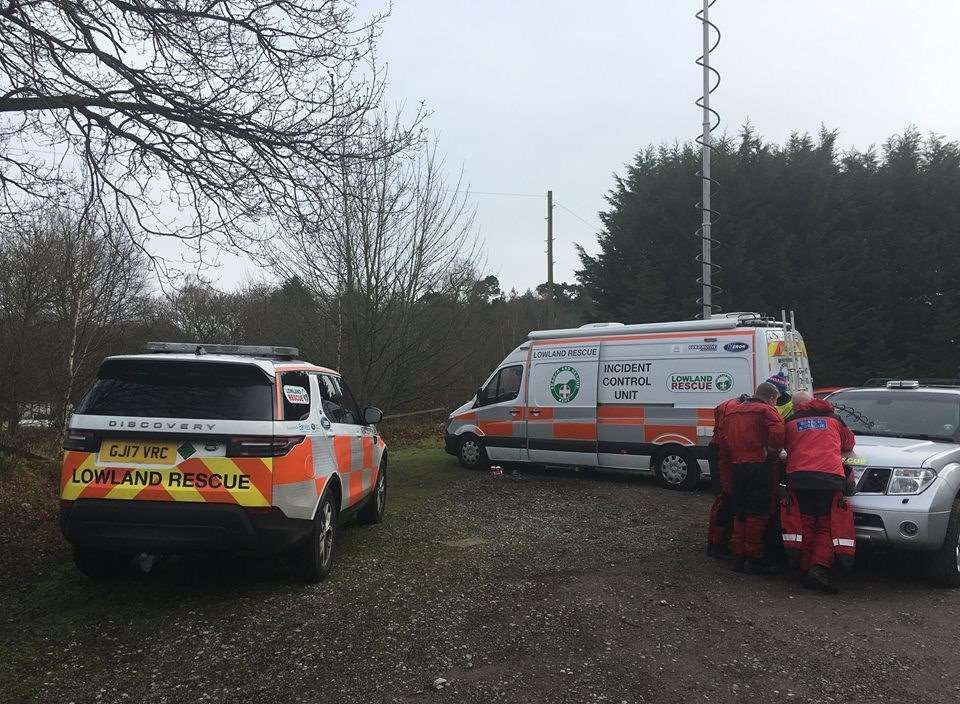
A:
(710, 121)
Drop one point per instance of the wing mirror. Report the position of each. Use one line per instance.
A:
(481, 396)
(372, 415)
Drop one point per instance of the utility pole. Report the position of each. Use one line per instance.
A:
(706, 264)
(549, 256)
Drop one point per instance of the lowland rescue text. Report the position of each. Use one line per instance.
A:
(138, 477)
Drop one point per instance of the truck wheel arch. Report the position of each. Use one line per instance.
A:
(335, 485)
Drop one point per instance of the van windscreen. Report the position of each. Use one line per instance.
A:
(176, 389)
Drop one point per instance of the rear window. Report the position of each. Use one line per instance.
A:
(174, 389)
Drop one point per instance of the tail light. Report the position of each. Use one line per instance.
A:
(263, 446)
(81, 440)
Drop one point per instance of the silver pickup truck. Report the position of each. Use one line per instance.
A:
(907, 468)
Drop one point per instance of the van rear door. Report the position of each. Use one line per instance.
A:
(562, 403)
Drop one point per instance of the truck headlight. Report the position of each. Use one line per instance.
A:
(910, 480)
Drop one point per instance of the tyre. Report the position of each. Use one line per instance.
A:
(945, 562)
(677, 469)
(471, 452)
(372, 511)
(100, 564)
(315, 555)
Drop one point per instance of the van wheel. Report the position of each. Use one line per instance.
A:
(471, 452)
(677, 469)
(945, 562)
(372, 511)
(315, 555)
(100, 565)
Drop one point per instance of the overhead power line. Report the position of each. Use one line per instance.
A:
(581, 219)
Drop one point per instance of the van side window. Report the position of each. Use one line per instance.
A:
(504, 386)
(336, 406)
(295, 392)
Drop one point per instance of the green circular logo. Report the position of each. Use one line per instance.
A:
(724, 382)
(565, 384)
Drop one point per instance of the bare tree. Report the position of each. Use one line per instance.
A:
(26, 276)
(391, 238)
(201, 313)
(225, 112)
(96, 283)
(65, 288)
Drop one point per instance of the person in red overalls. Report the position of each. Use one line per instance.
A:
(751, 437)
(817, 522)
(720, 526)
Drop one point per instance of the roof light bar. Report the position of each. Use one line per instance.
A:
(200, 348)
(903, 384)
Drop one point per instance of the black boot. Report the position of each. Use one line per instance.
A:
(719, 552)
(760, 567)
(818, 578)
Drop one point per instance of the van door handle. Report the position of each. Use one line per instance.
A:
(514, 412)
(534, 411)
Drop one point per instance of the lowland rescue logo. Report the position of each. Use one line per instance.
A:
(700, 383)
(565, 384)
(169, 479)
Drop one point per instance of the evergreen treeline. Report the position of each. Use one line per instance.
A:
(863, 245)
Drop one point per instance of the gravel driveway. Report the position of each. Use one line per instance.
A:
(550, 588)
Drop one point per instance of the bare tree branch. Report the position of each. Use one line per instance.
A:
(219, 116)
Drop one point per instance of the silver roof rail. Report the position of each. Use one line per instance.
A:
(202, 348)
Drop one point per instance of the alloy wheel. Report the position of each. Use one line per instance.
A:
(381, 492)
(326, 533)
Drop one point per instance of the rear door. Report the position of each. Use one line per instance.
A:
(562, 403)
(173, 430)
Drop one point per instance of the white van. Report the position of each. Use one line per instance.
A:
(628, 397)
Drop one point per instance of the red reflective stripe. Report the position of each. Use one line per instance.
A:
(71, 462)
(99, 491)
(621, 412)
(218, 495)
(153, 493)
(575, 431)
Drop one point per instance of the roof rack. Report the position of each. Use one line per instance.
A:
(202, 348)
(605, 329)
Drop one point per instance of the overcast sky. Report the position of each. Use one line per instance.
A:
(529, 95)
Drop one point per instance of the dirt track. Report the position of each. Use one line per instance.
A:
(554, 588)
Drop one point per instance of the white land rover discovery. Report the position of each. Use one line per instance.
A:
(217, 448)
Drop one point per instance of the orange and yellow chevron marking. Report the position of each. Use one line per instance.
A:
(782, 349)
(243, 481)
